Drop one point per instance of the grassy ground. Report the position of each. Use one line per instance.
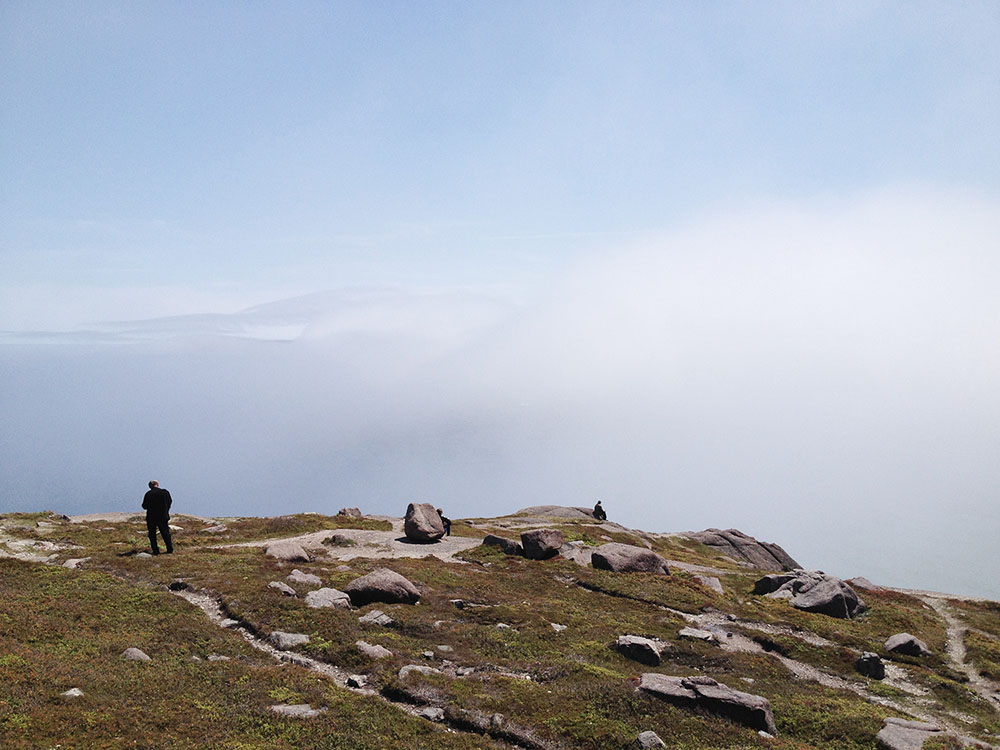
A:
(62, 628)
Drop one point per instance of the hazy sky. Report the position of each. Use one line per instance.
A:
(723, 265)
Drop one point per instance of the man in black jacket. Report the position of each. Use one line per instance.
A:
(157, 504)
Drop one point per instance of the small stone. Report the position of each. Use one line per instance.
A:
(643, 650)
(73, 693)
(135, 654)
(870, 665)
(503, 626)
(327, 597)
(195, 658)
(217, 529)
(373, 651)
(649, 739)
(217, 657)
(445, 649)
(427, 654)
(696, 634)
(75, 562)
(178, 585)
(557, 627)
(144, 555)
(284, 641)
(765, 735)
(297, 711)
(431, 713)
(377, 617)
(229, 623)
(464, 671)
(356, 681)
(283, 588)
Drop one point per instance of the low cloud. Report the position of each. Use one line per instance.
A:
(820, 375)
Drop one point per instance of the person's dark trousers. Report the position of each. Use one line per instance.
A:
(152, 524)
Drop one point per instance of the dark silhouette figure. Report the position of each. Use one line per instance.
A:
(157, 504)
(446, 521)
(599, 513)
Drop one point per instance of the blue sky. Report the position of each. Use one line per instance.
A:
(727, 264)
(245, 151)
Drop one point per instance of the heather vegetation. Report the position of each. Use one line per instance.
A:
(514, 652)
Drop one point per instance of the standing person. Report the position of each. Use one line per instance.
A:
(157, 504)
(599, 513)
(446, 522)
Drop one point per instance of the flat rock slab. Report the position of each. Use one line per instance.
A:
(297, 711)
(284, 641)
(288, 551)
(409, 669)
(902, 734)
(328, 597)
(306, 579)
(750, 710)
(696, 634)
(627, 558)
(382, 585)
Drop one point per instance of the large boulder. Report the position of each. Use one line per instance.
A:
(705, 693)
(812, 591)
(382, 585)
(644, 650)
(627, 558)
(904, 643)
(507, 546)
(422, 523)
(287, 550)
(734, 543)
(350, 513)
(541, 544)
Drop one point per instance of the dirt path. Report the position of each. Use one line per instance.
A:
(987, 689)
(376, 544)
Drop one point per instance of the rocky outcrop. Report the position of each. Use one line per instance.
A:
(288, 551)
(377, 617)
(870, 665)
(350, 513)
(812, 591)
(422, 523)
(541, 544)
(507, 546)
(627, 558)
(382, 585)
(707, 694)
(909, 645)
(643, 650)
(734, 543)
(327, 597)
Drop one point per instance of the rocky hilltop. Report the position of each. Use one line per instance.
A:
(544, 629)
